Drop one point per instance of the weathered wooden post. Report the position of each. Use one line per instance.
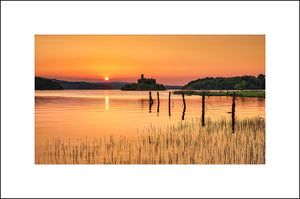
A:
(150, 98)
(157, 102)
(203, 108)
(150, 101)
(169, 104)
(183, 99)
(184, 106)
(233, 111)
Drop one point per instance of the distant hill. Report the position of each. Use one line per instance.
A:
(228, 83)
(67, 85)
(89, 86)
(46, 84)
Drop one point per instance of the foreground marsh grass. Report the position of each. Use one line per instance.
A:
(186, 142)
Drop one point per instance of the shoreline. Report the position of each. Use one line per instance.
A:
(256, 93)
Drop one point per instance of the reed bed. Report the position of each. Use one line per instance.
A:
(186, 142)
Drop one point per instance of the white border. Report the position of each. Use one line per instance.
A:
(277, 20)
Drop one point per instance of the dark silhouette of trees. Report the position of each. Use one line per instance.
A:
(229, 83)
(144, 84)
(46, 84)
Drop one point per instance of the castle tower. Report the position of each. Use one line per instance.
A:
(142, 76)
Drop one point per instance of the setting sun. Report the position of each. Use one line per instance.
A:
(122, 85)
(167, 58)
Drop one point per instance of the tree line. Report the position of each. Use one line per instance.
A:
(228, 83)
(143, 86)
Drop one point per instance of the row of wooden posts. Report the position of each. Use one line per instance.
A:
(184, 107)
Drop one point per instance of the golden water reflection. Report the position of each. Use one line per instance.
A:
(106, 103)
(79, 114)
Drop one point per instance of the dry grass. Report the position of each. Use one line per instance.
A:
(184, 143)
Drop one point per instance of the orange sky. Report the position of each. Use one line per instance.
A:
(171, 59)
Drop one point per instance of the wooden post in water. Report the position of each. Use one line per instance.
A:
(203, 108)
(150, 97)
(157, 102)
(233, 111)
(183, 99)
(169, 104)
(150, 101)
(183, 112)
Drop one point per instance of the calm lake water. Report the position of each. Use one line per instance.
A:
(77, 114)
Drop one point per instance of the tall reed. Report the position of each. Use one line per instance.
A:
(187, 142)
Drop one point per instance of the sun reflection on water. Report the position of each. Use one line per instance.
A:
(106, 103)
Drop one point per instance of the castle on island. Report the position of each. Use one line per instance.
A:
(144, 84)
(146, 81)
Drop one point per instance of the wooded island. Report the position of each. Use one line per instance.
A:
(144, 84)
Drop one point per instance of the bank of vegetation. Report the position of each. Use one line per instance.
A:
(143, 86)
(228, 83)
(46, 84)
(249, 93)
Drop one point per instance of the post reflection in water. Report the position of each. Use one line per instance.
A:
(183, 113)
(150, 106)
(158, 103)
(75, 113)
(143, 103)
